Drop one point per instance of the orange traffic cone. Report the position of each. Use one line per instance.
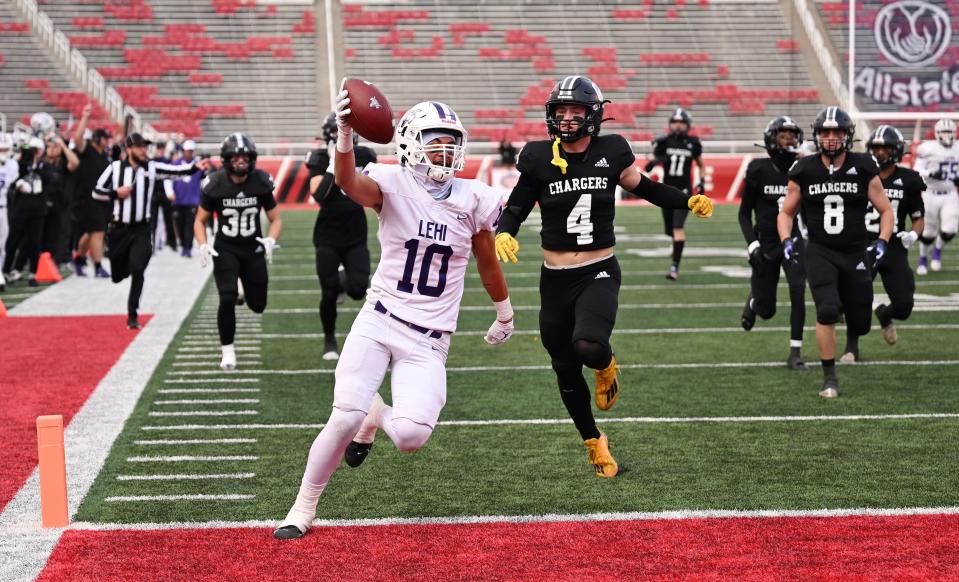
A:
(47, 271)
(3, 309)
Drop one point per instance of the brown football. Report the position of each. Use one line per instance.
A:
(370, 112)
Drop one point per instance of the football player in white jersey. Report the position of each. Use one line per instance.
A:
(430, 222)
(9, 171)
(938, 163)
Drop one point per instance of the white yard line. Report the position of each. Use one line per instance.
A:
(546, 518)
(211, 401)
(206, 413)
(223, 497)
(186, 477)
(627, 420)
(196, 442)
(214, 363)
(206, 390)
(171, 291)
(212, 381)
(192, 458)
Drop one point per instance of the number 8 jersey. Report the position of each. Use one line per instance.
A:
(834, 205)
(237, 206)
(426, 245)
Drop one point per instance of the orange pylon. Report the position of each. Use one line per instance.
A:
(53, 472)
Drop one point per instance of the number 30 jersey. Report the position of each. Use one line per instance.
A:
(834, 205)
(578, 207)
(426, 245)
(237, 206)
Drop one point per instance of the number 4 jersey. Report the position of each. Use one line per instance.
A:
(834, 204)
(237, 206)
(426, 245)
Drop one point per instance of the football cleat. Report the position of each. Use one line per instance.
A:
(132, 321)
(13, 276)
(849, 358)
(101, 273)
(329, 349)
(673, 273)
(228, 361)
(795, 362)
(888, 329)
(602, 461)
(288, 532)
(607, 385)
(748, 319)
(922, 268)
(830, 388)
(935, 262)
(78, 266)
(356, 453)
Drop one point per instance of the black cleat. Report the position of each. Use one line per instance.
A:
(356, 453)
(748, 319)
(830, 388)
(133, 322)
(288, 532)
(795, 362)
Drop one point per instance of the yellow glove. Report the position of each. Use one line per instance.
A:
(506, 247)
(701, 205)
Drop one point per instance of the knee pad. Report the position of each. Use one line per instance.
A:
(827, 314)
(567, 373)
(229, 296)
(256, 306)
(928, 240)
(901, 309)
(593, 354)
(345, 423)
(764, 310)
(356, 292)
(947, 236)
(410, 435)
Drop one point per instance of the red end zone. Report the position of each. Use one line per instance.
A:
(50, 365)
(900, 547)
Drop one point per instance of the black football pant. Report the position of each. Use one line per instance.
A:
(130, 251)
(249, 266)
(160, 203)
(899, 283)
(576, 319)
(765, 280)
(841, 281)
(183, 217)
(356, 266)
(26, 231)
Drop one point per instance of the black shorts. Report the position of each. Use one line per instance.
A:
(578, 303)
(840, 280)
(765, 278)
(130, 249)
(93, 216)
(247, 264)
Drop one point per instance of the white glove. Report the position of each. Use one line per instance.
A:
(344, 132)
(269, 243)
(502, 328)
(908, 237)
(206, 254)
(24, 186)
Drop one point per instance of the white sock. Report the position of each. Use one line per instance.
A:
(795, 343)
(940, 243)
(229, 350)
(367, 431)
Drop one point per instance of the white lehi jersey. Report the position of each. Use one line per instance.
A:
(932, 156)
(426, 245)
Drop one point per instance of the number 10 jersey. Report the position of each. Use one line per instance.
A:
(237, 206)
(426, 245)
(834, 204)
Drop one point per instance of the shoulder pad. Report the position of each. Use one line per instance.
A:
(212, 183)
(260, 182)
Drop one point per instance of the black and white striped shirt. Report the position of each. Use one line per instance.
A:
(135, 208)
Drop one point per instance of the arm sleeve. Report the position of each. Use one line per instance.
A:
(746, 206)
(521, 202)
(104, 191)
(324, 188)
(661, 195)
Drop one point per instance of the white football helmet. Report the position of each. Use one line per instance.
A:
(945, 132)
(420, 120)
(6, 147)
(42, 124)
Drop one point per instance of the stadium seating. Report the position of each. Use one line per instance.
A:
(205, 68)
(733, 66)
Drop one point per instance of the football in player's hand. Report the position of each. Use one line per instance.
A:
(370, 112)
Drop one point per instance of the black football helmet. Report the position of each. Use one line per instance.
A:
(237, 143)
(771, 137)
(887, 136)
(833, 118)
(681, 115)
(575, 90)
(331, 131)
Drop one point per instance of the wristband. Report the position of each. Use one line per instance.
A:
(504, 310)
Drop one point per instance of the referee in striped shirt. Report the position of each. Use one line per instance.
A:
(129, 183)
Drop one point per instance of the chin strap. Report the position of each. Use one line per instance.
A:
(558, 160)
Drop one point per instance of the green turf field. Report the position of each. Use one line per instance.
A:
(706, 420)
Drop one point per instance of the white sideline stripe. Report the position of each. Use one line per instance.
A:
(208, 355)
(775, 364)
(627, 420)
(196, 442)
(547, 518)
(216, 363)
(205, 390)
(212, 380)
(223, 497)
(207, 413)
(187, 477)
(211, 401)
(210, 350)
(189, 458)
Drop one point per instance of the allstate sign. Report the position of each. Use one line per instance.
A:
(912, 33)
